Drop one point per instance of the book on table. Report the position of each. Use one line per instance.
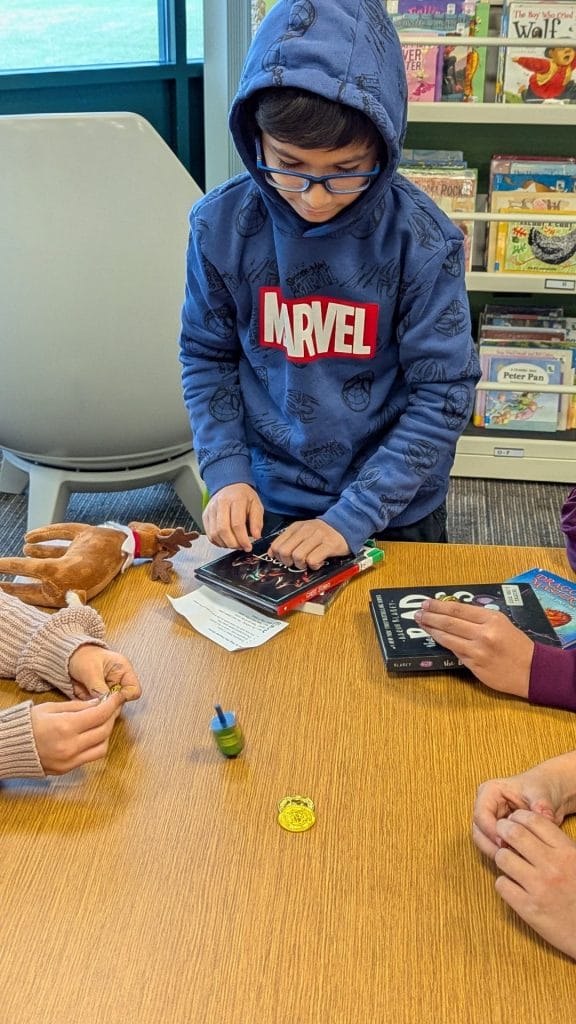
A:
(258, 579)
(557, 596)
(407, 647)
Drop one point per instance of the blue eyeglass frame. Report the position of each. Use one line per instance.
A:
(312, 179)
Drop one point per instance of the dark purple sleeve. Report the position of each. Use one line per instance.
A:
(568, 524)
(553, 677)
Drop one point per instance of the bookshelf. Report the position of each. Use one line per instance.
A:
(482, 129)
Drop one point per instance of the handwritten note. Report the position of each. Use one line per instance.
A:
(227, 622)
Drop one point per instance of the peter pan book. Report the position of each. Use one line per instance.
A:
(406, 647)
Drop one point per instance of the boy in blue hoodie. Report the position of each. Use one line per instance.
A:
(328, 365)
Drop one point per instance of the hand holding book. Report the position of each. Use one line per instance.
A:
(486, 642)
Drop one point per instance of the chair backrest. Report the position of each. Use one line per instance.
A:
(93, 233)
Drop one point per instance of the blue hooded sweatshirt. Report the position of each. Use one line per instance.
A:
(330, 366)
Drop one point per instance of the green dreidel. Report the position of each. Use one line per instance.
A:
(226, 732)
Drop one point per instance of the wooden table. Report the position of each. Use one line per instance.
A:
(158, 888)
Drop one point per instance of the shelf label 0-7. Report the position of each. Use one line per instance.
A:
(509, 453)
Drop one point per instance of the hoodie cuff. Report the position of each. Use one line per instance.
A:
(18, 755)
(43, 662)
(234, 470)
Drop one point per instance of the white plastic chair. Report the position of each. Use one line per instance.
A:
(93, 233)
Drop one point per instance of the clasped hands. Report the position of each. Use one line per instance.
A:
(234, 516)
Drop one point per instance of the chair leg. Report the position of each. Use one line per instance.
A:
(47, 497)
(13, 480)
(190, 489)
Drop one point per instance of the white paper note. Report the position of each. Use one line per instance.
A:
(227, 622)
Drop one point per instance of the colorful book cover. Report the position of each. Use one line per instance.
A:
(454, 191)
(475, 77)
(543, 73)
(534, 183)
(527, 409)
(544, 247)
(558, 599)
(422, 63)
(406, 647)
(529, 355)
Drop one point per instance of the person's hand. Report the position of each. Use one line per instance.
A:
(93, 670)
(71, 734)
(234, 515)
(308, 543)
(539, 876)
(499, 798)
(548, 789)
(485, 641)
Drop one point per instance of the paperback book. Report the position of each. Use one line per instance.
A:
(258, 579)
(406, 647)
(422, 77)
(546, 246)
(558, 599)
(323, 602)
(454, 191)
(543, 73)
(523, 410)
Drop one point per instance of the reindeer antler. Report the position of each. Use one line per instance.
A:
(171, 543)
(168, 546)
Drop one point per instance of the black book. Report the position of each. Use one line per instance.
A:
(407, 647)
(266, 584)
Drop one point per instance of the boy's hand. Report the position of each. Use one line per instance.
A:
(234, 515)
(95, 669)
(308, 543)
(69, 735)
(539, 865)
(485, 641)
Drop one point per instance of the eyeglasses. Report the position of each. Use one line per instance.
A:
(294, 181)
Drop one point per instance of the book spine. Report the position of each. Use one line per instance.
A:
(321, 588)
(419, 662)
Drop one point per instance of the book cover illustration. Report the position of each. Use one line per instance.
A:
(421, 63)
(408, 648)
(523, 410)
(527, 410)
(540, 247)
(258, 579)
(557, 596)
(527, 353)
(543, 73)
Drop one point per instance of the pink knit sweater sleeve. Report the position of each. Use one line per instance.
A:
(35, 649)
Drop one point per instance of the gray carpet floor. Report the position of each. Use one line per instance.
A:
(479, 512)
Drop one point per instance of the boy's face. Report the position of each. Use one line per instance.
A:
(562, 55)
(317, 205)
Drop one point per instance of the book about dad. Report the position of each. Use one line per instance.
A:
(258, 579)
(406, 647)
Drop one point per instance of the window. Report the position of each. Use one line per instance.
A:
(66, 33)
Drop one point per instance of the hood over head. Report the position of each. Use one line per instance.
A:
(347, 51)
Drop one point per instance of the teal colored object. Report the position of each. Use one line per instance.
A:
(226, 732)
